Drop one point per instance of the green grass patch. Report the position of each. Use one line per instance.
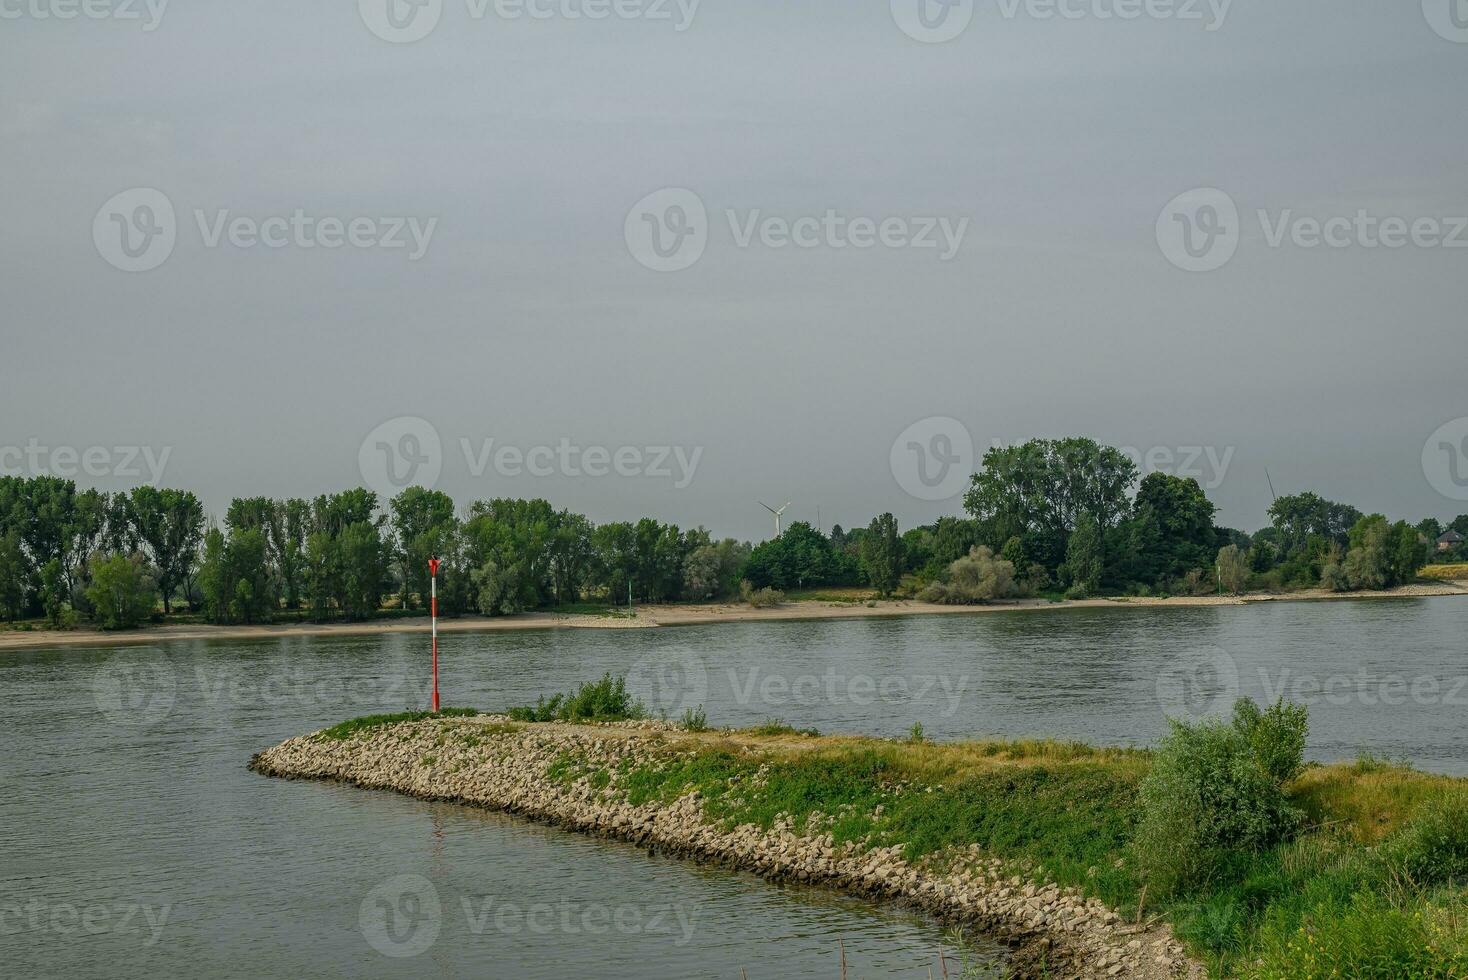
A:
(347, 729)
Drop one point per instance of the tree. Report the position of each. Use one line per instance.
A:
(1042, 488)
(1084, 558)
(1178, 533)
(977, 577)
(124, 591)
(14, 576)
(713, 570)
(1299, 517)
(170, 523)
(421, 519)
(235, 577)
(1233, 568)
(882, 554)
(362, 569)
(54, 593)
(800, 557)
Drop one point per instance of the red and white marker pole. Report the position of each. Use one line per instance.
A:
(433, 613)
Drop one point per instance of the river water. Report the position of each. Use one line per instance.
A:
(135, 842)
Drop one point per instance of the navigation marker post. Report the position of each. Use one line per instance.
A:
(433, 614)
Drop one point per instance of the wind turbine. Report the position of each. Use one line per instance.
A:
(777, 514)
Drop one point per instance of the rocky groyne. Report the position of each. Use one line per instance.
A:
(491, 762)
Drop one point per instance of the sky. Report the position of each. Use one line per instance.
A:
(644, 258)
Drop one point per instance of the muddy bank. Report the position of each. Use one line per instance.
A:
(549, 772)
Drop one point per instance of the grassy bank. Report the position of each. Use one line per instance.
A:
(1364, 875)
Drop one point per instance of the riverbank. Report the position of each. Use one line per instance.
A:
(841, 606)
(643, 782)
(1026, 842)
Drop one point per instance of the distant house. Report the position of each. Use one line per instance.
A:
(1449, 540)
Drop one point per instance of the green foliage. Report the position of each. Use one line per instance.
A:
(882, 554)
(714, 570)
(1085, 558)
(602, 700)
(801, 557)
(53, 594)
(170, 524)
(123, 591)
(978, 577)
(1432, 848)
(356, 726)
(1211, 796)
(1365, 938)
(760, 598)
(234, 576)
(1276, 736)
(694, 720)
(1233, 569)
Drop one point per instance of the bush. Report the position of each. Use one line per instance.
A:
(123, 592)
(1209, 796)
(1432, 848)
(694, 720)
(603, 700)
(976, 577)
(760, 598)
(1276, 734)
(1370, 939)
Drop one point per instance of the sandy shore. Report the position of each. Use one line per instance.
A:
(648, 617)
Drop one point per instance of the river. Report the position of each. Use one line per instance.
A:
(137, 844)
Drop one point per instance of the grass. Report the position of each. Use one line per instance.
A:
(1333, 898)
(1445, 571)
(1375, 884)
(355, 726)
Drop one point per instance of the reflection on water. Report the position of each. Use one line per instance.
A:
(136, 843)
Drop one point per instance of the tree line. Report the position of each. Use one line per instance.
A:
(1049, 517)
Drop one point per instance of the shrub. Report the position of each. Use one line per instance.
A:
(760, 598)
(1208, 797)
(1276, 734)
(976, 577)
(1370, 939)
(1432, 848)
(694, 720)
(602, 700)
(123, 592)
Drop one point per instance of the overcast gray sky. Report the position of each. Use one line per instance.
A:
(526, 144)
